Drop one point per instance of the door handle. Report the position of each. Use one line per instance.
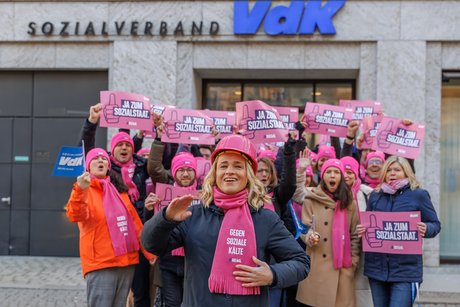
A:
(6, 200)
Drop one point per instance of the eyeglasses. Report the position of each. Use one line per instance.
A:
(375, 162)
(183, 170)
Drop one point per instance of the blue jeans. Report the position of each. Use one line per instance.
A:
(391, 294)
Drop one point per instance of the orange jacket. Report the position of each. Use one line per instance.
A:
(96, 251)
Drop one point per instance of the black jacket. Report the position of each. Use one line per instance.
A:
(198, 235)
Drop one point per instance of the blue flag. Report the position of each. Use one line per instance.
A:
(300, 228)
(70, 162)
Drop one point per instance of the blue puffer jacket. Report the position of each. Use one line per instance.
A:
(401, 268)
(198, 234)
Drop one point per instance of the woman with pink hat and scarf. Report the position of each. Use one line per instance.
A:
(229, 239)
(360, 194)
(333, 244)
(109, 231)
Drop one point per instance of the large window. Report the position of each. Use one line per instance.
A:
(223, 94)
(450, 169)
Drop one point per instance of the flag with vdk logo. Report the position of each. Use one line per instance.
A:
(70, 162)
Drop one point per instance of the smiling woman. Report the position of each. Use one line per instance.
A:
(228, 241)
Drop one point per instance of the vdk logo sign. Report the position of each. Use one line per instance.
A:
(298, 18)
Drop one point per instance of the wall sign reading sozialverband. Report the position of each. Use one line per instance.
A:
(119, 28)
(301, 17)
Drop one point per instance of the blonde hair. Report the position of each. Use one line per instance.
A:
(256, 197)
(407, 169)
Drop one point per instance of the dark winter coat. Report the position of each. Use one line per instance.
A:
(198, 235)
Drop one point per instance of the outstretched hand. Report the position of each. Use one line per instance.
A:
(177, 209)
(261, 275)
(304, 160)
(95, 113)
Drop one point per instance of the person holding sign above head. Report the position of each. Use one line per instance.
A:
(109, 231)
(133, 171)
(394, 278)
(332, 242)
(229, 239)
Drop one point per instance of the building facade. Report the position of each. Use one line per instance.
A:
(56, 56)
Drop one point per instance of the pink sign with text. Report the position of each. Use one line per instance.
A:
(159, 110)
(260, 122)
(289, 116)
(395, 138)
(125, 110)
(391, 232)
(187, 126)
(369, 126)
(223, 121)
(202, 169)
(327, 119)
(362, 108)
(167, 193)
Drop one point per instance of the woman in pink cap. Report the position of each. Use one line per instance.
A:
(374, 165)
(333, 244)
(360, 194)
(229, 240)
(109, 231)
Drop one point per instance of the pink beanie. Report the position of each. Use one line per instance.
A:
(93, 154)
(183, 159)
(142, 151)
(313, 157)
(118, 138)
(270, 154)
(332, 163)
(325, 151)
(350, 163)
(375, 154)
(309, 171)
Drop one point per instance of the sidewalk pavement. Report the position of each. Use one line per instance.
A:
(53, 281)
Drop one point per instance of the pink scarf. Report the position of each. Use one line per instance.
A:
(236, 244)
(119, 222)
(371, 182)
(127, 173)
(180, 252)
(354, 190)
(394, 186)
(341, 243)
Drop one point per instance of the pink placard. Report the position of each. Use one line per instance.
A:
(187, 126)
(260, 122)
(289, 116)
(202, 169)
(369, 126)
(362, 108)
(223, 121)
(125, 110)
(327, 119)
(395, 138)
(157, 109)
(391, 232)
(167, 192)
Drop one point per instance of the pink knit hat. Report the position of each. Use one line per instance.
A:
(118, 138)
(309, 171)
(375, 154)
(325, 151)
(183, 159)
(93, 154)
(332, 163)
(270, 154)
(350, 163)
(313, 157)
(142, 151)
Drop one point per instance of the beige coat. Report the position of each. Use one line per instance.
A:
(325, 286)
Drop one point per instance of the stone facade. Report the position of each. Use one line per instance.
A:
(396, 50)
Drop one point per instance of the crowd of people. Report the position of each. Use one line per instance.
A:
(242, 246)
